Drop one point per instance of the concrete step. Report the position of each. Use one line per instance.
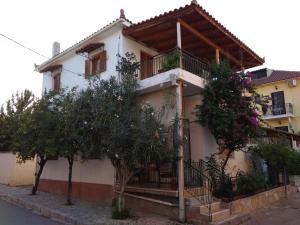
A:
(215, 206)
(237, 219)
(217, 215)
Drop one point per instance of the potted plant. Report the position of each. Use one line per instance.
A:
(171, 60)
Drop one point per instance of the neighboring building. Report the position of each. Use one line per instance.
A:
(201, 39)
(14, 173)
(281, 89)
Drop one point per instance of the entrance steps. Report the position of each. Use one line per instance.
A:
(220, 213)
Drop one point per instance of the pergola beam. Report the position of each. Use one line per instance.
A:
(209, 42)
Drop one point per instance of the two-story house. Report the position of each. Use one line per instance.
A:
(278, 92)
(200, 39)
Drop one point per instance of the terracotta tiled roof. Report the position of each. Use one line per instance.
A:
(194, 4)
(276, 75)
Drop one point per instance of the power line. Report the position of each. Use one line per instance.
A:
(36, 52)
(18, 43)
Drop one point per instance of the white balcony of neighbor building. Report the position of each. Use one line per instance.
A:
(279, 111)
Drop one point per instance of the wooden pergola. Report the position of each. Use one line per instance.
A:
(196, 31)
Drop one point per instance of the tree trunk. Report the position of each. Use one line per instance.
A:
(121, 200)
(69, 195)
(225, 163)
(41, 164)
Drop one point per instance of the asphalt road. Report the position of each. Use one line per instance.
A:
(14, 215)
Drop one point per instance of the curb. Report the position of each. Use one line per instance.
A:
(42, 211)
(62, 217)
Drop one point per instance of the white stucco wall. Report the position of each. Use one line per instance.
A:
(76, 64)
(7, 167)
(202, 142)
(90, 171)
(13, 173)
(136, 48)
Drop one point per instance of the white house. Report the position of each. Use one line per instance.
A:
(200, 39)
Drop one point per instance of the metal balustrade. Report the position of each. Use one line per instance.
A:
(176, 58)
(279, 109)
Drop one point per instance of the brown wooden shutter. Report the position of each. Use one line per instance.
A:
(56, 82)
(103, 61)
(87, 68)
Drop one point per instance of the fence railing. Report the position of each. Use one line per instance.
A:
(156, 176)
(175, 58)
(279, 109)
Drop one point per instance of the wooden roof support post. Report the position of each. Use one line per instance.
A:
(179, 112)
(178, 29)
(208, 41)
(217, 56)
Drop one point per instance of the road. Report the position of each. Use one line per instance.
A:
(14, 215)
(285, 212)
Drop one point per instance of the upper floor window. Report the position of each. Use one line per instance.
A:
(278, 103)
(95, 65)
(56, 81)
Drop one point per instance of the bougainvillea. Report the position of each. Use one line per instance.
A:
(228, 108)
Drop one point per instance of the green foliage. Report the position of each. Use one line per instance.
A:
(277, 155)
(214, 170)
(10, 116)
(35, 133)
(228, 108)
(129, 134)
(171, 60)
(249, 183)
(224, 188)
(293, 164)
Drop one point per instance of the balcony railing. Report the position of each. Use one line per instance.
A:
(175, 58)
(276, 110)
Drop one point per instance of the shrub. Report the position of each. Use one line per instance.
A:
(249, 183)
(119, 215)
(171, 60)
(293, 163)
(224, 188)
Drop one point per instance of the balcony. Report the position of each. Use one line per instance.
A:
(164, 69)
(172, 59)
(277, 111)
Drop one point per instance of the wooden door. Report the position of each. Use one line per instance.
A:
(146, 65)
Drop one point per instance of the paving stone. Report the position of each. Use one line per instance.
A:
(81, 213)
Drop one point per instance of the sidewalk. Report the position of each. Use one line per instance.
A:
(81, 213)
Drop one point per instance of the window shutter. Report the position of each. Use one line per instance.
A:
(87, 68)
(56, 82)
(103, 61)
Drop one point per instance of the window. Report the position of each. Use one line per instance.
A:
(96, 65)
(96, 62)
(56, 81)
(278, 103)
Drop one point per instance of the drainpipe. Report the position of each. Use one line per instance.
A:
(179, 112)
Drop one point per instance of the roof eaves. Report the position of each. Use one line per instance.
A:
(78, 44)
(208, 16)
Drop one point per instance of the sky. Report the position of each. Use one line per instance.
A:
(269, 27)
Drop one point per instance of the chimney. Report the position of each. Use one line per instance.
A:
(269, 72)
(55, 49)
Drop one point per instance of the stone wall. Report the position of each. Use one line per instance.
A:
(261, 200)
